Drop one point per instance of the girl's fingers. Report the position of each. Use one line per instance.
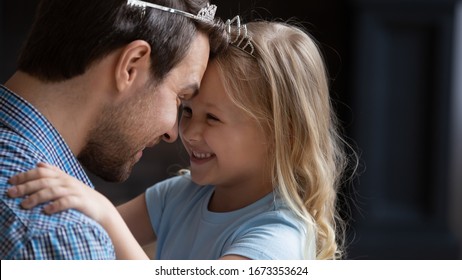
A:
(29, 187)
(59, 205)
(33, 174)
(30, 181)
(43, 195)
(49, 166)
(47, 183)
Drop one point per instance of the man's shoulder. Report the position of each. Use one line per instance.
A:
(14, 147)
(31, 234)
(16, 155)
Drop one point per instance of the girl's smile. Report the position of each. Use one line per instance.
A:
(200, 157)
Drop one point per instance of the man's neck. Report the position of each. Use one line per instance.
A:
(65, 104)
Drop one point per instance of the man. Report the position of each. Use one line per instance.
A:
(97, 81)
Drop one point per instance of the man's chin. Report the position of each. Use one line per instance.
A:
(117, 174)
(115, 177)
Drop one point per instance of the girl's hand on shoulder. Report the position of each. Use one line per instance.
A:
(49, 183)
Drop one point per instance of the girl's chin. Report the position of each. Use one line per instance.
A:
(199, 180)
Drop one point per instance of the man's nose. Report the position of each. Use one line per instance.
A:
(171, 135)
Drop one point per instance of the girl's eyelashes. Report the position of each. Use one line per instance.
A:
(187, 112)
(212, 118)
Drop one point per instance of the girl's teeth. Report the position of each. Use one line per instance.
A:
(202, 155)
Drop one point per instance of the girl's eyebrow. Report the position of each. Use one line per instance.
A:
(191, 90)
(212, 105)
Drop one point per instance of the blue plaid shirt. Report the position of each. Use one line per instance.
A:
(27, 138)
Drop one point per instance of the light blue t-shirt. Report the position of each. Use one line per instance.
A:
(186, 229)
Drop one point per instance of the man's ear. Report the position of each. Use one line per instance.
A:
(133, 60)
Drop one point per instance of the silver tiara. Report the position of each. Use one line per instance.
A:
(206, 14)
(241, 39)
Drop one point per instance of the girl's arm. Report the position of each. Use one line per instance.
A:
(49, 183)
(135, 215)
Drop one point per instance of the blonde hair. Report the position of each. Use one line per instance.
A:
(284, 87)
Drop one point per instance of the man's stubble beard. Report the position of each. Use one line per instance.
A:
(105, 163)
(108, 153)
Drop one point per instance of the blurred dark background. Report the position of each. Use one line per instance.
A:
(395, 69)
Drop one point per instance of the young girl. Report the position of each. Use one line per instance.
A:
(265, 155)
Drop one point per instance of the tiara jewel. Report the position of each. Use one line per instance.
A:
(206, 14)
(241, 39)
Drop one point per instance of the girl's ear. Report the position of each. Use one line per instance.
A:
(134, 60)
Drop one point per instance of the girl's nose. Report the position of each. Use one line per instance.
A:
(191, 131)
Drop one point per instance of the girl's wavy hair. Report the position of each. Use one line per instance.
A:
(285, 88)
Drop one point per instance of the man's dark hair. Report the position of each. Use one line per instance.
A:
(68, 36)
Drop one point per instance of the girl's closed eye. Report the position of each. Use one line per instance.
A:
(213, 118)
